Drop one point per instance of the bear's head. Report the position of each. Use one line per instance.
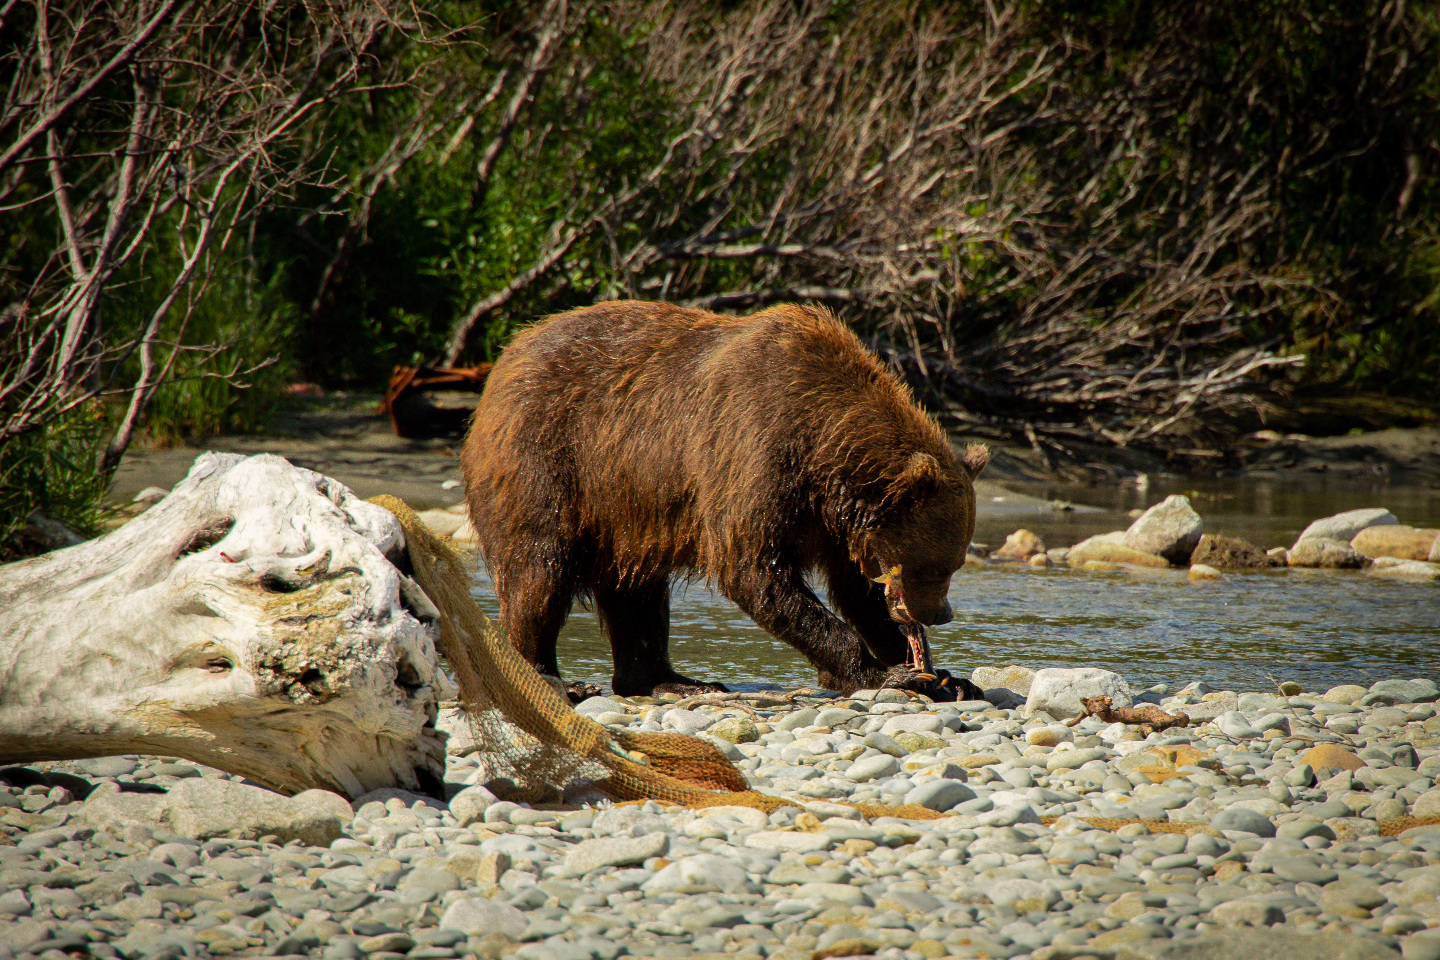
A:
(923, 534)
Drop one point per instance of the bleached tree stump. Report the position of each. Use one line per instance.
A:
(253, 620)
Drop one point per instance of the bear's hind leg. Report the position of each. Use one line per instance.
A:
(636, 621)
(532, 611)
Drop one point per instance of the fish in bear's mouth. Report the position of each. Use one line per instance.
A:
(919, 658)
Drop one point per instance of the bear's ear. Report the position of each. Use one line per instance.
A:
(975, 458)
(920, 477)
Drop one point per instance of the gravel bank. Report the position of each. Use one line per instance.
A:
(1281, 797)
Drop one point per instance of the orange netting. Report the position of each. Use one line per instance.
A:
(498, 687)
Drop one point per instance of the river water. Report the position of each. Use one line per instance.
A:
(1245, 632)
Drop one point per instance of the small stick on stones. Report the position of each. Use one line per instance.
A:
(1148, 716)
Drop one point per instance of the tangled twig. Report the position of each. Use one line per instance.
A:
(1148, 716)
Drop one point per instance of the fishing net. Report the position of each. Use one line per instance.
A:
(500, 691)
(502, 695)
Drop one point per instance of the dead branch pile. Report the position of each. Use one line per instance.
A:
(1064, 265)
(125, 121)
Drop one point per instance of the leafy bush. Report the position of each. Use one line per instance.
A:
(53, 470)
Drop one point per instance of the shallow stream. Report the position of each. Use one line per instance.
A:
(1320, 628)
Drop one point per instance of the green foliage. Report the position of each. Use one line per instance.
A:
(1313, 108)
(53, 470)
(242, 312)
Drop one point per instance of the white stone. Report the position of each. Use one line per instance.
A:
(204, 808)
(1232, 723)
(1074, 759)
(1006, 892)
(478, 917)
(616, 852)
(1013, 677)
(1170, 529)
(783, 841)
(940, 795)
(686, 721)
(700, 873)
(594, 706)
(1427, 804)
(470, 804)
(442, 522)
(1057, 691)
(837, 892)
(746, 815)
(873, 768)
(1344, 526)
(913, 723)
(1418, 570)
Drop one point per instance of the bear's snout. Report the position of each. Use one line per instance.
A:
(915, 610)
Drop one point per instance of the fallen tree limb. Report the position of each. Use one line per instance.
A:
(1149, 717)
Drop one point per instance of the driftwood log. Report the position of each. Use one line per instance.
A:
(253, 620)
(1149, 717)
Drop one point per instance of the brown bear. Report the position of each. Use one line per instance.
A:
(620, 445)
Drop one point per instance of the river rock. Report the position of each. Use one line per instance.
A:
(1014, 678)
(107, 766)
(1239, 818)
(1417, 690)
(1405, 569)
(460, 740)
(940, 795)
(871, 768)
(1327, 553)
(1241, 943)
(1234, 724)
(1170, 529)
(1427, 804)
(1345, 526)
(1111, 548)
(616, 852)
(1344, 693)
(783, 841)
(592, 707)
(203, 808)
(1057, 691)
(1007, 892)
(735, 730)
(1020, 545)
(442, 523)
(700, 873)
(1253, 911)
(470, 804)
(1396, 540)
(477, 917)
(1230, 554)
(688, 722)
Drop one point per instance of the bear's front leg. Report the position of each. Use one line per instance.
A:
(778, 599)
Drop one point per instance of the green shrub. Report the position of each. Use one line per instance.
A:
(53, 470)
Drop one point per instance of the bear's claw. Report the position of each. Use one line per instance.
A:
(690, 688)
(579, 690)
(939, 686)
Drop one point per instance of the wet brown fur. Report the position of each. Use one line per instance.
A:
(620, 445)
